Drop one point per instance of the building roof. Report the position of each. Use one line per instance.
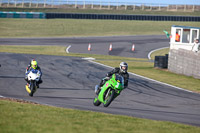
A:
(185, 27)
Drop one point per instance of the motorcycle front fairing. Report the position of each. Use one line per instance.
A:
(116, 83)
(33, 74)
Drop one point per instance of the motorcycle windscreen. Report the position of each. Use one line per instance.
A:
(119, 79)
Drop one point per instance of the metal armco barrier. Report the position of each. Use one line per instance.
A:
(122, 17)
(22, 15)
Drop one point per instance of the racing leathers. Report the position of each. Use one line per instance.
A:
(28, 69)
(116, 70)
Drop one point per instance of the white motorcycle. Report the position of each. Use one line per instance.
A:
(33, 77)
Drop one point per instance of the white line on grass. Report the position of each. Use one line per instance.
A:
(1, 96)
(149, 55)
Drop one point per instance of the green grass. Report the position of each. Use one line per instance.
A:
(72, 27)
(31, 118)
(96, 11)
(36, 49)
(161, 52)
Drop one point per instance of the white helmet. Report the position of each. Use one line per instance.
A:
(123, 67)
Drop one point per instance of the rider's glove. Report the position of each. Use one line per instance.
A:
(27, 73)
(107, 78)
(108, 75)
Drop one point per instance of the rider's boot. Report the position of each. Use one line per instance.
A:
(27, 84)
(100, 85)
(37, 85)
(39, 82)
(98, 90)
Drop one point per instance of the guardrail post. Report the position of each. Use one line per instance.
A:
(44, 3)
(37, 4)
(30, 3)
(8, 3)
(125, 6)
(15, 3)
(0, 3)
(159, 8)
(184, 8)
(142, 7)
(100, 5)
(52, 3)
(92, 5)
(75, 4)
(193, 8)
(23, 4)
(84, 5)
(133, 7)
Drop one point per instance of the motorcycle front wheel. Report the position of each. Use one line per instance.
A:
(108, 97)
(96, 102)
(32, 88)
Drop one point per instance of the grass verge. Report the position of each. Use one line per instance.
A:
(20, 117)
(161, 52)
(71, 27)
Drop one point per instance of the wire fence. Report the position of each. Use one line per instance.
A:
(99, 5)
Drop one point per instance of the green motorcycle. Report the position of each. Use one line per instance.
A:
(109, 91)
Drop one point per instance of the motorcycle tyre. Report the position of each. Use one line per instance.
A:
(97, 103)
(111, 98)
(32, 89)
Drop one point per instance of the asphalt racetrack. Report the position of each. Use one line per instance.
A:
(69, 82)
(121, 45)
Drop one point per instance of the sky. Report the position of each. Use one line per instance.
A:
(188, 2)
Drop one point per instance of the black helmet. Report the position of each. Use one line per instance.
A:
(123, 67)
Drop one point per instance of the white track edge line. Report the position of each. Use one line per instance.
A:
(145, 78)
(149, 55)
(67, 49)
(1, 96)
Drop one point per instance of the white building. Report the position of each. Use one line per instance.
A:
(187, 36)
